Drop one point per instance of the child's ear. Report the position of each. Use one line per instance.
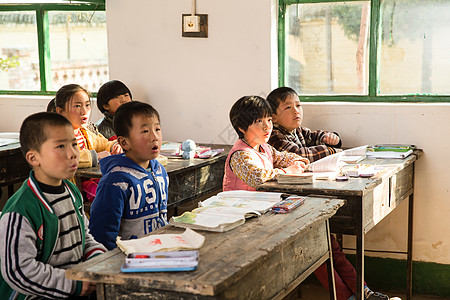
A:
(123, 143)
(106, 107)
(59, 110)
(274, 118)
(32, 158)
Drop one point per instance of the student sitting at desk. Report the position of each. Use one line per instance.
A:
(131, 198)
(43, 228)
(72, 101)
(288, 135)
(110, 96)
(251, 160)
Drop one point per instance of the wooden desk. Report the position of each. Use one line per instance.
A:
(368, 202)
(266, 258)
(13, 166)
(188, 178)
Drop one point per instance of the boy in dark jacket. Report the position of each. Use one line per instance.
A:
(131, 198)
(43, 227)
(287, 133)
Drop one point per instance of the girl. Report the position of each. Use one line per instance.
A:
(252, 161)
(110, 96)
(73, 102)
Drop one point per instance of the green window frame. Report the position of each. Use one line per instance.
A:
(42, 24)
(373, 82)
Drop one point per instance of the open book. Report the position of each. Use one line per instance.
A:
(213, 218)
(354, 155)
(227, 210)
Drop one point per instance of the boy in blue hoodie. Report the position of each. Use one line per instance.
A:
(131, 198)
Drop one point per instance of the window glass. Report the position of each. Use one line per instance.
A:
(78, 48)
(415, 47)
(327, 48)
(19, 56)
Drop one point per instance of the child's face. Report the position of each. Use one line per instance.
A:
(289, 113)
(115, 102)
(259, 132)
(58, 157)
(78, 109)
(144, 140)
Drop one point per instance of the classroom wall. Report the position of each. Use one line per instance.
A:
(194, 82)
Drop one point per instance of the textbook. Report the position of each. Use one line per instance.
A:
(226, 210)
(160, 261)
(260, 206)
(390, 151)
(188, 240)
(389, 154)
(354, 155)
(303, 178)
(213, 218)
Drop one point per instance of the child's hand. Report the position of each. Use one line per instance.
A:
(297, 167)
(330, 139)
(116, 149)
(87, 288)
(103, 154)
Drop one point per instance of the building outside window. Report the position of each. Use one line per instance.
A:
(46, 45)
(379, 50)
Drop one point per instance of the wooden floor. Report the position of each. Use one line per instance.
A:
(313, 291)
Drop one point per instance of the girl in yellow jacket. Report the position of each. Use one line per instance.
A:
(73, 102)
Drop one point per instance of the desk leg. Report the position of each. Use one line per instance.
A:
(410, 247)
(360, 258)
(330, 267)
(100, 289)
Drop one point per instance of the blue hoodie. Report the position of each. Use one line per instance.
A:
(130, 201)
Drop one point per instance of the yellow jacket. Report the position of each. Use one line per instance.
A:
(94, 141)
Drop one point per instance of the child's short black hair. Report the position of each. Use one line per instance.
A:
(111, 90)
(246, 111)
(279, 95)
(123, 117)
(34, 129)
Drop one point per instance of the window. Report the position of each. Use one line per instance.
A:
(44, 46)
(379, 50)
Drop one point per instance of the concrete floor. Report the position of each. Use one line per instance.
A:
(313, 291)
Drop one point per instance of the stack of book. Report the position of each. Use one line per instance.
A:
(160, 261)
(390, 151)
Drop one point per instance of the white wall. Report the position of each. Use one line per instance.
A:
(194, 82)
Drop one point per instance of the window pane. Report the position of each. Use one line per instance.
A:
(327, 48)
(415, 47)
(78, 49)
(19, 56)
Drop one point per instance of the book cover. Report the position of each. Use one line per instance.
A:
(160, 261)
(188, 240)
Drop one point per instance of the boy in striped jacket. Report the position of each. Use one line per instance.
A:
(43, 227)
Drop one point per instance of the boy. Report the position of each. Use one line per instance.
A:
(287, 135)
(251, 160)
(43, 228)
(131, 198)
(110, 96)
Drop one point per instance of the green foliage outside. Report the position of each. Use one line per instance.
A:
(9, 63)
